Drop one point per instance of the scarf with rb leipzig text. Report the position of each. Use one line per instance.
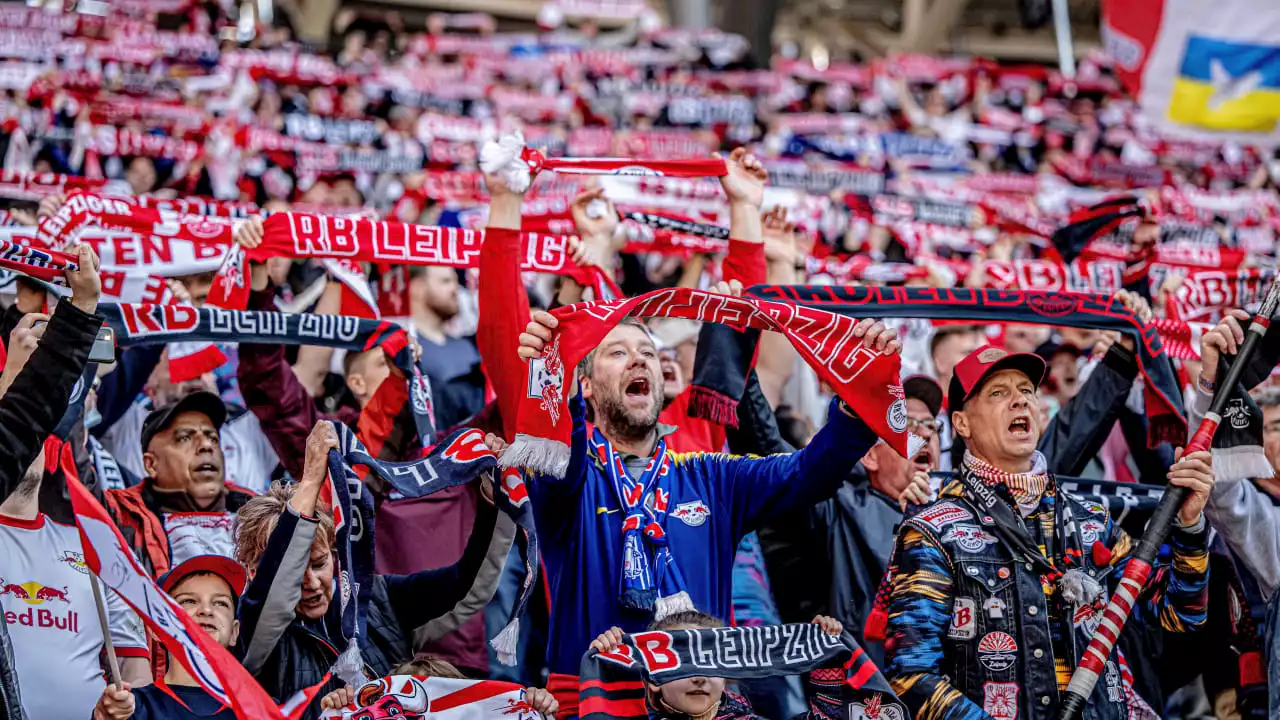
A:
(846, 683)
(866, 380)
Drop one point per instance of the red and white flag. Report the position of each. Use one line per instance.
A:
(107, 555)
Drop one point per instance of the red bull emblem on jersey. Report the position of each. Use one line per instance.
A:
(693, 513)
(54, 615)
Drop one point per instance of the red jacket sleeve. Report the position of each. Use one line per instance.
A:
(504, 309)
(745, 263)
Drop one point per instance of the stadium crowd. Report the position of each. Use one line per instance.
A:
(422, 375)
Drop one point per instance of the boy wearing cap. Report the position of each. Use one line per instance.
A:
(207, 587)
(998, 585)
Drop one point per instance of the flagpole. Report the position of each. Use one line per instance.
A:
(1138, 570)
(106, 631)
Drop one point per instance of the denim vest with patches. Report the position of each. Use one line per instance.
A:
(999, 650)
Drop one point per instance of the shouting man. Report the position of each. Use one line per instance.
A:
(603, 569)
(998, 585)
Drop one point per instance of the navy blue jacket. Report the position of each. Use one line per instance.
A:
(579, 522)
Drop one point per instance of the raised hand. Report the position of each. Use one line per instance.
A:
(85, 282)
(1195, 473)
(744, 184)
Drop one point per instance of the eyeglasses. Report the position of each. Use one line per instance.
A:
(915, 425)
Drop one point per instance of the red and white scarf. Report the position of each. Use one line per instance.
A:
(414, 697)
(518, 164)
(866, 380)
(296, 235)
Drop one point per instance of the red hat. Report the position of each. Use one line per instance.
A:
(971, 372)
(223, 567)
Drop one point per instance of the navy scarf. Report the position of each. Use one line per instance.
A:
(719, 384)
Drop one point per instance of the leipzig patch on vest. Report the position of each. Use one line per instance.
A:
(875, 709)
(997, 651)
(1000, 700)
(964, 623)
(941, 515)
(1091, 531)
(970, 538)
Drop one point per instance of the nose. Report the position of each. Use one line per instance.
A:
(310, 580)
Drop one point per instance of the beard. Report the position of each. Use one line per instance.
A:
(628, 423)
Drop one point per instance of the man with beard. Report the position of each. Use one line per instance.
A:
(998, 585)
(603, 569)
(452, 364)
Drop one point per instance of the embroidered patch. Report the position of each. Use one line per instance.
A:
(1091, 531)
(991, 355)
(692, 514)
(964, 623)
(942, 514)
(997, 651)
(896, 416)
(1114, 692)
(1000, 700)
(875, 709)
(969, 537)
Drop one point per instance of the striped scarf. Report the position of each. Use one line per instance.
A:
(1026, 488)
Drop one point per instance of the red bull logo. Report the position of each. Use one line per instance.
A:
(35, 594)
(692, 514)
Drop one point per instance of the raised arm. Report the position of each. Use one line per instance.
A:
(39, 394)
(285, 409)
(504, 305)
(268, 605)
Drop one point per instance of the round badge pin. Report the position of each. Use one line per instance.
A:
(1002, 573)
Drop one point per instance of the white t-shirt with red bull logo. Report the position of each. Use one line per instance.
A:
(52, 622)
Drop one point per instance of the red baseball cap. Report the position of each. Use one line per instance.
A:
(224, 567)
(971, 372)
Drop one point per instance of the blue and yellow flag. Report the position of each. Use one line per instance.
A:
(1226, 85)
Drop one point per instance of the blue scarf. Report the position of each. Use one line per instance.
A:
(651, 579)
(459, 458)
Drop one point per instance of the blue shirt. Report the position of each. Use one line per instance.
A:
(579, 524)
(176, 702)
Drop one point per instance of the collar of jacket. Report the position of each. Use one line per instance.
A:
(663, 431)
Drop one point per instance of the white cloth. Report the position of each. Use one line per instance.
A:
(52, 621)
(248, 457)
(199, 533)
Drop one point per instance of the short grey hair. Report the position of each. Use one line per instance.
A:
(588, 363)
(1267, 397)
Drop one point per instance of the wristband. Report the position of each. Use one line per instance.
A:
(1207, 385)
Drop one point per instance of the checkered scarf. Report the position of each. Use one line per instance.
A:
(1026, 488)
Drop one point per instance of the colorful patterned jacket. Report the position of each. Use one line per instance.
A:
(977, 632)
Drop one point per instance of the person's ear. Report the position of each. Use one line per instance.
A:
(961, 424)
(356, 383)
(871, 461)
(235, 633)
(585, 383)
(149, 463)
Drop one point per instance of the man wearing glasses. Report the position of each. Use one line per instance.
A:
(846, 540)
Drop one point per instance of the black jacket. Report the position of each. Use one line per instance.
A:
(287, 655)
(29, 411)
